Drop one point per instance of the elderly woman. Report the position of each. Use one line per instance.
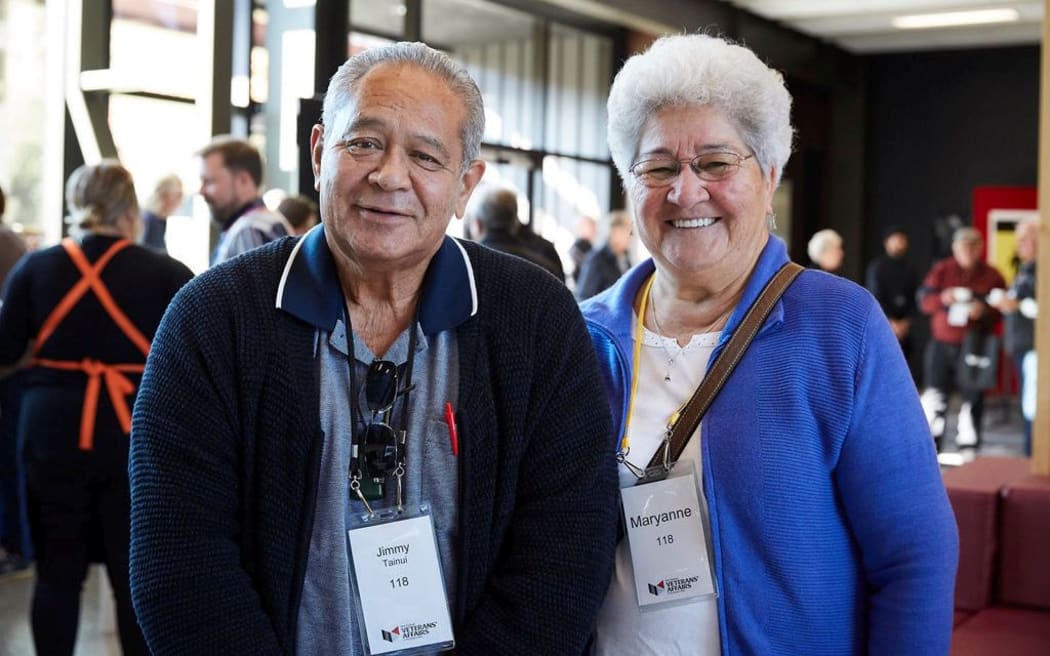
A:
(824, 522)
(825, 250)
(81, 316)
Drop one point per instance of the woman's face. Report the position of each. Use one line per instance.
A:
(694, 226)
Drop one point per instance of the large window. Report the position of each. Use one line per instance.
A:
(545, 87)
(23, 64)
(154, 67)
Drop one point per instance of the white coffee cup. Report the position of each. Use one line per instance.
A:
(995, 297)
(962, 294)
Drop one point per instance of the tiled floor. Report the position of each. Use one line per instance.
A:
(97, 634)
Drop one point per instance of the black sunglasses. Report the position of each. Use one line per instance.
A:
(379, 446)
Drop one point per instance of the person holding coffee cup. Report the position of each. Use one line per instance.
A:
(953, 295)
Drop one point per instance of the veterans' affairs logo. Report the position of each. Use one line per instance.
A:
(410, 631)
(672, 585)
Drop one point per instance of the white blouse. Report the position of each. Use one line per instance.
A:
(667, 376)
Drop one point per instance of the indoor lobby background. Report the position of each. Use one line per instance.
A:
(898, 134)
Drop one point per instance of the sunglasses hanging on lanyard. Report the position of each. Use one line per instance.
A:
(377, 448)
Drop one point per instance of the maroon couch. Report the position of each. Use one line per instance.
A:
(1002, 590)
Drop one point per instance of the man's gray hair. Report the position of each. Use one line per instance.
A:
(701, 70)
(340, 92)
(967, 233)
(495, 207)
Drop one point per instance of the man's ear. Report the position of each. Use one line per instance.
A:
(468, 181)
(316, 149)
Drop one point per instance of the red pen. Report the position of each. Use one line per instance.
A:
(453, 436)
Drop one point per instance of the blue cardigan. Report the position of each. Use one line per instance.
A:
(832, 531)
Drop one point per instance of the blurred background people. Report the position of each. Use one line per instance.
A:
(12, 246)
(544, 248)
(166, 197)
(14, 551)
(893, 281)
(231, 183)
(1020, 309)
(81, 316)
(953, 295)
(819, 425)
(586, 233)
(493, 215)
(604, 266)
(300, 212)
(825, 250)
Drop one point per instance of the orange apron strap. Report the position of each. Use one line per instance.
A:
(77, 291)
(118, 386)
(92, 275)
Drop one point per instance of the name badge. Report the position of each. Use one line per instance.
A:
(402, 605)
(668, 542)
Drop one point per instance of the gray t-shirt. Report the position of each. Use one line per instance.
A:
(327, 613)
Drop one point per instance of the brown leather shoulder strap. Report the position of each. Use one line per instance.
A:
(693, 411)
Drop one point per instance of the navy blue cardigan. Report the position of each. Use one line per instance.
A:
(226, 445)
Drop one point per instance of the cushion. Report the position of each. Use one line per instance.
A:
(1003, 631)
(974, 491)
(1024, 542)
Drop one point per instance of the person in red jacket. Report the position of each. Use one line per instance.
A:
(953, 295)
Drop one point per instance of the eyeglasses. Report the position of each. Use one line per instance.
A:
(379, 444)
(662, 171)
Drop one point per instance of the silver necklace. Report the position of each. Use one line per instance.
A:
(671, 357)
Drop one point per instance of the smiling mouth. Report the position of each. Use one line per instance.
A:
(695, 223)
(381, 210)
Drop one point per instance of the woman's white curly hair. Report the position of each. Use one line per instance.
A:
(696, 70)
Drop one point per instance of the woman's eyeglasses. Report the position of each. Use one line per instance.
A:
(663, 171)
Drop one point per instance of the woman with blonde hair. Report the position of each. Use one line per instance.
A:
(80, 317)
(166, 197)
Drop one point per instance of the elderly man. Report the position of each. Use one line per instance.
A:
(375, 434)
(494, 215)
(231, 184)
(954, 295)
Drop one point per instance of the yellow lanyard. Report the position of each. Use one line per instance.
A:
(639, 336)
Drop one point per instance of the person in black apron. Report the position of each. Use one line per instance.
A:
(79, 317)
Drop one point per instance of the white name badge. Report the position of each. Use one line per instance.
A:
(665, 531)
(400, 591)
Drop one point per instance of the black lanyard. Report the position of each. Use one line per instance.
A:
(357, 421)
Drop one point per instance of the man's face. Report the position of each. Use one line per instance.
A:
(966, 252)
(221, 188)
(1027, 241)
(390, 172)
(896, 244)
(620, 239)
